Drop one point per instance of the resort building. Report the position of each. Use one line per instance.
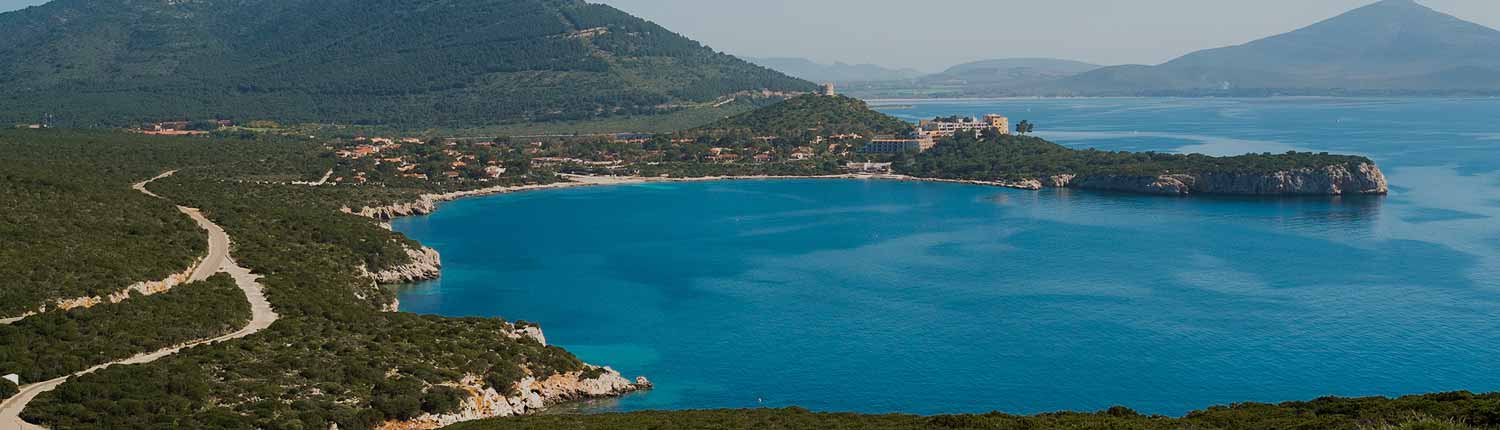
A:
(868, 167)
(891, 145)
(946, 127)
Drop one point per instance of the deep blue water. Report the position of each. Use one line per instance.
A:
(879, 296)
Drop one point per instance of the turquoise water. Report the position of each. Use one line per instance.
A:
(878, 296)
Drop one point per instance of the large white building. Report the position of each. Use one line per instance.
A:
(891, 145)
(949, 127)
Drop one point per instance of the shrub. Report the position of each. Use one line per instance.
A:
(442, 399)
(8, 389)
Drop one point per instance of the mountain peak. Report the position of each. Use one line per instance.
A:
(1398, 3)
(1390, 44)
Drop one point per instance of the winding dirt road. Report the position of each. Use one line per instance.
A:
(218, 260)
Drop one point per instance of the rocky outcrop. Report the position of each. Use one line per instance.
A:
(528, 331)
(427, 203)
(530, 395)
(1364, 178)
(1338, 179)
(1057, 181)
(422, 206)
(425, 264)
(1164, 184)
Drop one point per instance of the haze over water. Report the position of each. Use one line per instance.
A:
(878, 296)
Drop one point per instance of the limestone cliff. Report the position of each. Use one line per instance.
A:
(422, 206)
(425, 264)
(1338, 179)
(427, 203)
(530, 395)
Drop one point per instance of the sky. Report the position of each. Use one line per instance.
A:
(930, 35)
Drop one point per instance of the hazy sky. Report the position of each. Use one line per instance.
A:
(933, 34)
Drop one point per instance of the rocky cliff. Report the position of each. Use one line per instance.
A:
(427, 203)
(527, 396)
(1362, 178)
(422, 206)
(425, 264)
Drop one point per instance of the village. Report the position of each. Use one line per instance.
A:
(362, 159)
(365, 159)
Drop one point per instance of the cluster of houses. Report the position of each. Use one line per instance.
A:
(184, 127)
(728, 155)
(381, 149)
(458, 163)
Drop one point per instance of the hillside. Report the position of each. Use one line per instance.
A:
(402, 62)
(989, 78)
(1010, 72)
(1391, 46)
(337, 357)
(838, 72)
(815, 114)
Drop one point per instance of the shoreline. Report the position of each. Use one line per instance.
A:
(426, 204)
(1158, 185)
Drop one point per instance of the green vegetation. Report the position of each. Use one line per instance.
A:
(59, 343)
(1010, 157)
(667, 122)
(1448, 411)
(459, 64)
(812, 115)
(333, 357)
(8, 389)
(74, 233)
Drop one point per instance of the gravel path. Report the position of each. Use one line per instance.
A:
(218, 260)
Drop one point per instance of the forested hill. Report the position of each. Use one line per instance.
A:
(818, 114)
(400, 62)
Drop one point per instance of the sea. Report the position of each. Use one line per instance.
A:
(927, 298)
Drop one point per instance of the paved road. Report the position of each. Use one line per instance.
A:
(218, 261)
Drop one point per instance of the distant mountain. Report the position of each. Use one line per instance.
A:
(1011, 71)
(837, 72)
(402, 62)
(1393, 45)
(817, 114)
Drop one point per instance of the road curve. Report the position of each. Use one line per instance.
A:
(218, 261)
(218, 251)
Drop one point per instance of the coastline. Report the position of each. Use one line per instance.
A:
(481, 405)
(427, 203)
(1327, 181)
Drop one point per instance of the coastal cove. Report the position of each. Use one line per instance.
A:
(893, 296)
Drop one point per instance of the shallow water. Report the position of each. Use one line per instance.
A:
(878, 296)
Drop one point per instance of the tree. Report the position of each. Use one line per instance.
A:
(1025, 127)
